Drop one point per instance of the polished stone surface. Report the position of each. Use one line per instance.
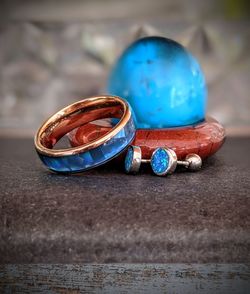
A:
(162, 81)
(160, 161)
(104, 215)
(204, 139)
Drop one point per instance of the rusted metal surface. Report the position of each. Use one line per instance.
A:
(126, 278)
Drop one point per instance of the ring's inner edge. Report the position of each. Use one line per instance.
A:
(77, 118)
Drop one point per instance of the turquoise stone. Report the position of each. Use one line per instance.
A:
(162, 81)
(129, 159)
(160, 161)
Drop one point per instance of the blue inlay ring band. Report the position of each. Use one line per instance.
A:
(91, 154)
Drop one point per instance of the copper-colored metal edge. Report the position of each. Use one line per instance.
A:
(73, 108)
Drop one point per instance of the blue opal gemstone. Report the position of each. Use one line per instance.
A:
(129, 159)
(160, 161)
(94, 157)
(162, 81)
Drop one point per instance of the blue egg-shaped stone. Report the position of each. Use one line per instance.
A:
(162, 81)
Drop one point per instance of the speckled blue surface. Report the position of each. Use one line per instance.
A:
(129, 159)
(162, 82)
(160, 161)
(94, 157)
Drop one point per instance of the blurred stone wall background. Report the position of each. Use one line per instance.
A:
(53, 53)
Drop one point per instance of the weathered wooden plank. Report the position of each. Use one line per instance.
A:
(126, 278)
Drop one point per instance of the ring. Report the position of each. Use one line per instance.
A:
(93, 153)
(204, 138)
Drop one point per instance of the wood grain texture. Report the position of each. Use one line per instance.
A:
(125, 278)
(106, 216)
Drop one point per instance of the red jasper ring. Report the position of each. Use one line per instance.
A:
(203, 138)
